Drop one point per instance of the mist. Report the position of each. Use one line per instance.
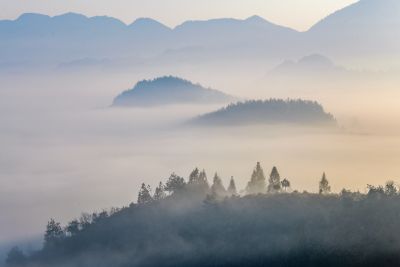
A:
(66, 151)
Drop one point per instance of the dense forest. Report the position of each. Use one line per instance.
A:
(188, 222)
(268, 111)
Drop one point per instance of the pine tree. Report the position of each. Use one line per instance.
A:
(144, 195)
(175, 184)
(198, 181)
(194, 176)
(324, 187)
(274, 182)
(256, 185)
(232, 187)
(203, 179)
(53, 234)
(217, 187)
(159, 193)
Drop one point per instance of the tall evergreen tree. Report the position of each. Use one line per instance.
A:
(175, 184)
(256, 185)
(198, 181)
(159, 193)
(217, 186)
(144, 195)
(194, 176)
(274, 181)
(232, 187)
(324, 187)
(54, 233)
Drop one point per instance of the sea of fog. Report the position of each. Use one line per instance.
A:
(64, 151)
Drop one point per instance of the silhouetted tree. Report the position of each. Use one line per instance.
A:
(144, 195)
(15, 257)
(274, 182)
(53, 234)
(375, 191)
(194, 176)
(175, 184)
(390, 188)
(324, 187)
(232, 187)
(198, 181)
(256, 185)
(217, 186)
(159, 193)
(73, 227)
(285, 184)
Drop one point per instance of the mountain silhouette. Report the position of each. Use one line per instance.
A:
(270, 111)
(169, 90)
(362, 32)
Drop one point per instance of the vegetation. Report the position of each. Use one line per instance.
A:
(190, 223)
(268, 111)
(169, 90)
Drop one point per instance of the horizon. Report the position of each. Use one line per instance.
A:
(301, 21)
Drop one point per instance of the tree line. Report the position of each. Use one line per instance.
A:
(195, 187)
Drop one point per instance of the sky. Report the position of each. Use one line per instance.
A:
(297, 14)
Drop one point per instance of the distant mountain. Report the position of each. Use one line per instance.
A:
(312, 64)
(169, 90)
(366, 33)
(267, 112)
(366, 28)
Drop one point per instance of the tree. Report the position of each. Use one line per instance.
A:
(194, 176)
(256, 185)
(15, 257)
(375, 191)
(54, 233)
(285, 184)
(217, 187)
(274, 182)
(324, 187)
(144, 195)
(175, 184)
(198, 180)
(73, 227)
(232, 187)
(390, 188)
(159, 193)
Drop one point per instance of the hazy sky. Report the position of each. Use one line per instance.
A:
(299, 14)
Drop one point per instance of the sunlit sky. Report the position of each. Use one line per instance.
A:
(298, 14)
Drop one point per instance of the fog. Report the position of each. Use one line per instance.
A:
(64, 151)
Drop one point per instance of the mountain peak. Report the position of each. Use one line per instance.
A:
(148, 22)
(256, 18)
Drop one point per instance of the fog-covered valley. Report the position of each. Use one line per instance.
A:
(90, 108)
(66, 151)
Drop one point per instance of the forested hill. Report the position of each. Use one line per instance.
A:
(169, 90)
(189, 223)
(299, 111)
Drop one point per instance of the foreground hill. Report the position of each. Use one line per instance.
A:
(266, 112)
(169, 90)
(198, 225)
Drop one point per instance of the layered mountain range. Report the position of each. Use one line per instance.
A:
(361, 33)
